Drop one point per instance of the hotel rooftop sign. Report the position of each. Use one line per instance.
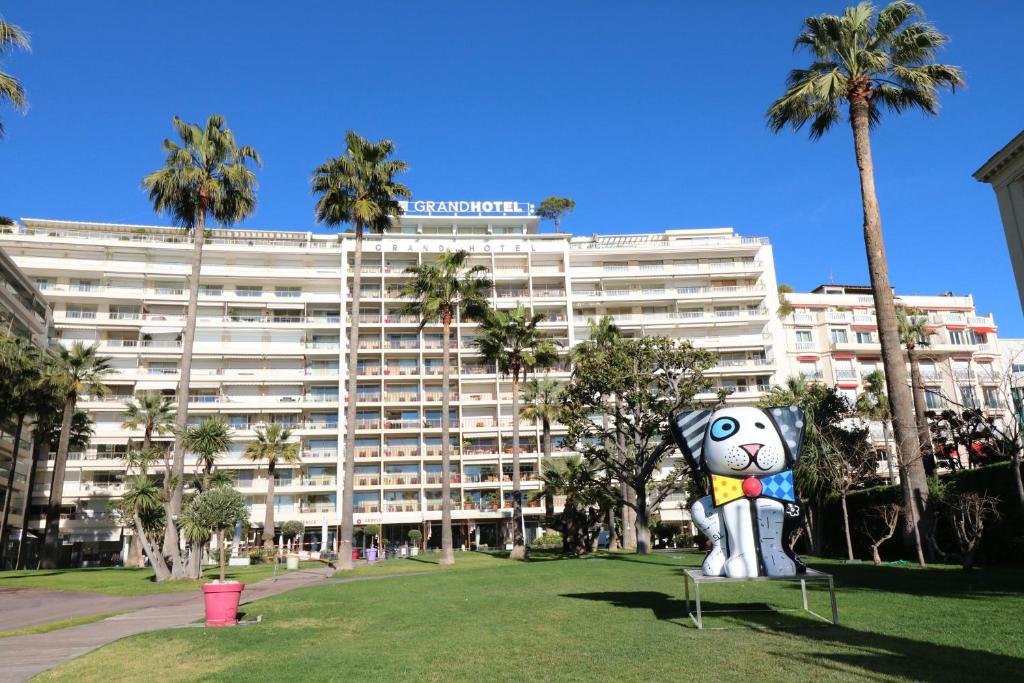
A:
(491, 207)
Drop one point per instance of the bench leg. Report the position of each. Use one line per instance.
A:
(700, 618)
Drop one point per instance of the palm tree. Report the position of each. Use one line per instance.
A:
(785, 306)
(543, 404)
(511, 341)
(553, 208)
(206, 176)
(209, 439)
(153, 413)
(143, 500)
(12, 37)
(869, 60)
(21, 371)
(358, 188)
(442, 291)
(272, 445)
(914, 333)
(873, 404)
(72, 371)
(45, 436)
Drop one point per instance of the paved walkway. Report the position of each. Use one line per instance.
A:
(26, 656)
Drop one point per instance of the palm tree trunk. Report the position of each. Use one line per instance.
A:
(38, 449)
(345, 542)
(518, 541)
(447, 552)
(10, 490)
(924, 435)
(846, 527)
(181, 415)
(268, 515)
(613, 535)
(155, 558)
(914, 483)
(51, 534)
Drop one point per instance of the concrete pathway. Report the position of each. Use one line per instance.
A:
(26, 656)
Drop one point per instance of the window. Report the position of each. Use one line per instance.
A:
(932, 400)
(928, 371)
(211, 290)
(850, 395)
(1016, 368)
(977, 337)
(809, 369)
(865, 338)
(844, 369)
(290, 292)
(991, 398)
(803, 339)
(838, 336)
(249, 290)
(962, 369)
(957, 337)
(968, 396)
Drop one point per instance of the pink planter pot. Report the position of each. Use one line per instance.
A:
(222, 603)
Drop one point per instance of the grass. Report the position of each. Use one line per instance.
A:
(55, 625)
(123, 581)
(425, 562)
(611, 616)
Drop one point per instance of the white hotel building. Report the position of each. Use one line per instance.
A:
(272, 334)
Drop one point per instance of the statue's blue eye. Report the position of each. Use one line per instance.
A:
(723, 428)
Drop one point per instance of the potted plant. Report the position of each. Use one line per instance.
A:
(467, 503)
(415, 536)
(371, 531)
(293, 529)
(492, 500)
(217, 509)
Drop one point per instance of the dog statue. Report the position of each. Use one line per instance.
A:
(749, 454)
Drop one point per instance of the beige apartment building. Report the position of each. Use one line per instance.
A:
(272, 336)
(832, 337)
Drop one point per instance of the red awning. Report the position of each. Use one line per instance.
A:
(843, 356)
(807, 358)
(848, 385)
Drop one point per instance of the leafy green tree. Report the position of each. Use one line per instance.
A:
(785, 307)
(868, 61)
(21, 384)
(12, 38)
(618, 406)
(209, 440)
(272, 445)
(206, 176)
(217, 509)
(444, 291)
(357, 188)
(587, 499)
(72, 372)
(512, 341)
(293, 529)
(554, 208)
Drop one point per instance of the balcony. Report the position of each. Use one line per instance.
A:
(411, 506)
(372, 480)
(401, 480)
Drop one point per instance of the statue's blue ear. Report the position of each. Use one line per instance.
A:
(688, 430)
(790, 423)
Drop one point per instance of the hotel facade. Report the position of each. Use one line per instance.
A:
(831, 336)
(272, 335)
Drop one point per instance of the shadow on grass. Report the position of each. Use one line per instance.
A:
(875, 654)
(943, 582)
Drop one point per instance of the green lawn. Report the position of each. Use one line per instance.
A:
(121, 581)
(56, 625)
(426, 562)
(618, 617)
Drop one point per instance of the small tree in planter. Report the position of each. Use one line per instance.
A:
(293, 529)
(218, 509)
(370, 531)
(415, 536)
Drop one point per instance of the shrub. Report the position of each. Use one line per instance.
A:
(262, 555)
(415, 536)
(547, 540)
(293, 528)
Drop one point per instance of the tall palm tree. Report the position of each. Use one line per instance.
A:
(512, 341)
(785, 305)
(151, 412)
(11, 38)
(440, 292)
(542, 397)
(272, 445)
(914, 334)
(873, 404)
(143, 500)
(21, 372)
(72, 372)
(357, 188)
(867, 61)
(206, 176)
(46, 435)
(209, 439)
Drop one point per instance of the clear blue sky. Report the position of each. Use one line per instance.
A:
(648, 114)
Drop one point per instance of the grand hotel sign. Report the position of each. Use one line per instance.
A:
(491, 207)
